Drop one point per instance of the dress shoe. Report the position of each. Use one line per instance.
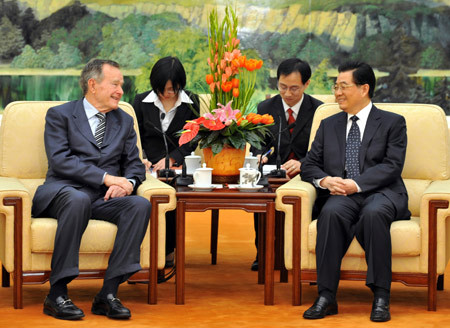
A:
(380, 310)
(62, 308)
(110, 306)
(254, 266)
(321, 308)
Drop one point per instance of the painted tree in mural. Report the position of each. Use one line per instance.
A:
(11, 39)
(398, 86)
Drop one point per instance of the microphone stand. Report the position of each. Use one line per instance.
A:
(278, 172)
(167, 172)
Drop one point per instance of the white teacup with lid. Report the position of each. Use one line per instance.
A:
(193, 162)
(248, 177)
(203, 176)
(252, 160)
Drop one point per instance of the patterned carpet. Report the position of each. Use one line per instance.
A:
(226, 295)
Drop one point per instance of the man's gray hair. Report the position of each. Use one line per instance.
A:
(94, 70)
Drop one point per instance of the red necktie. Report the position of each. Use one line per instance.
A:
(291, 118)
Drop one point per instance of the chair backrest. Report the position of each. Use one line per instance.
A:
(22, 150)
(427, 154)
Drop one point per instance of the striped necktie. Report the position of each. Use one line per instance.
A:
(100, 130)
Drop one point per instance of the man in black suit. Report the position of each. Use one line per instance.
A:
(291, 107)
(356, 161)
(93, 170)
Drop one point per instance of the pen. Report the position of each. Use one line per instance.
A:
(268, 152)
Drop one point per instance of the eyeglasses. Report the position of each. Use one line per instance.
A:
(342, 87)
(293, 90)
(169, 91)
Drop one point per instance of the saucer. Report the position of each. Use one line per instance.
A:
(242, 188)
(201, 188)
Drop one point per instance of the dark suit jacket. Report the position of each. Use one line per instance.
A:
(148, 117)
(74, 159)
(382, 155)
(298, 141)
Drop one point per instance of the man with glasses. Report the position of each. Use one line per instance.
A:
(355, 162)
(292, 107)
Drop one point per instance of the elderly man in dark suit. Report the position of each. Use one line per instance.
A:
(356, 161)
(291, 107)
(93, 170)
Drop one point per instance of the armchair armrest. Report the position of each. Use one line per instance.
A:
(152, 187)
(15, 205)
(434, 211)
(296, 199)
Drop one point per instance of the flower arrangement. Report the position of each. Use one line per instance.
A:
(232, 82)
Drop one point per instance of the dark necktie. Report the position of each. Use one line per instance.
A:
(100, 130)
(352, 150)
(291, 119)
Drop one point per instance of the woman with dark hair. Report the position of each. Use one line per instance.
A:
(165, 108)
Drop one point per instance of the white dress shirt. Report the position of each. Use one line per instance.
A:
(295, 108)
(152, 97)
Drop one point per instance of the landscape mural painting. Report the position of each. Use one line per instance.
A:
(45, 43)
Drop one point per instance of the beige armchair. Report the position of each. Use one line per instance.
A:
(421, 246)
(26, 244)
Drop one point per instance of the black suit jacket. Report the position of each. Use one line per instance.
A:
(299, 140)
(148, 117)
(74, 159)
(382, 156)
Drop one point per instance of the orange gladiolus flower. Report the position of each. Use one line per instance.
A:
(209, 78)
(242, 60)
(259, 64)
(238, 115)
(235, 83)
(256, 119)
(250, 65)
(212, 86)
(227, 86)
(239, 121)
(235, 92)
(267, 119)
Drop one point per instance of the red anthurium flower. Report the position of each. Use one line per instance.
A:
(190, 131)
(213, 125)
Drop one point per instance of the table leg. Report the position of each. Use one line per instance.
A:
(261, 246)
(269, 261)
(180, 252)
(279, 246)
(214, 233)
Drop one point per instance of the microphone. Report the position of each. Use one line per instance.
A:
(278, 172)
(163, 115)
(182, 180)
(167, 172)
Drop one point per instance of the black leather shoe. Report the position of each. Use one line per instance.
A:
(254, 266)
(380, 310)
(110, 306)
(62, 308)
(321, 308)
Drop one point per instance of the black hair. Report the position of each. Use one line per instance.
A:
(94, 70)
(165, 69)
(291, 65)
(362, 74)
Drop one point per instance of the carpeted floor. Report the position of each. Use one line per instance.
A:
(226, 295)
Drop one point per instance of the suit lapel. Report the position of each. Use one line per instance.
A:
(373, 122)
(341, 132)
(81, 121)
(304, 115)
(112, 127)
